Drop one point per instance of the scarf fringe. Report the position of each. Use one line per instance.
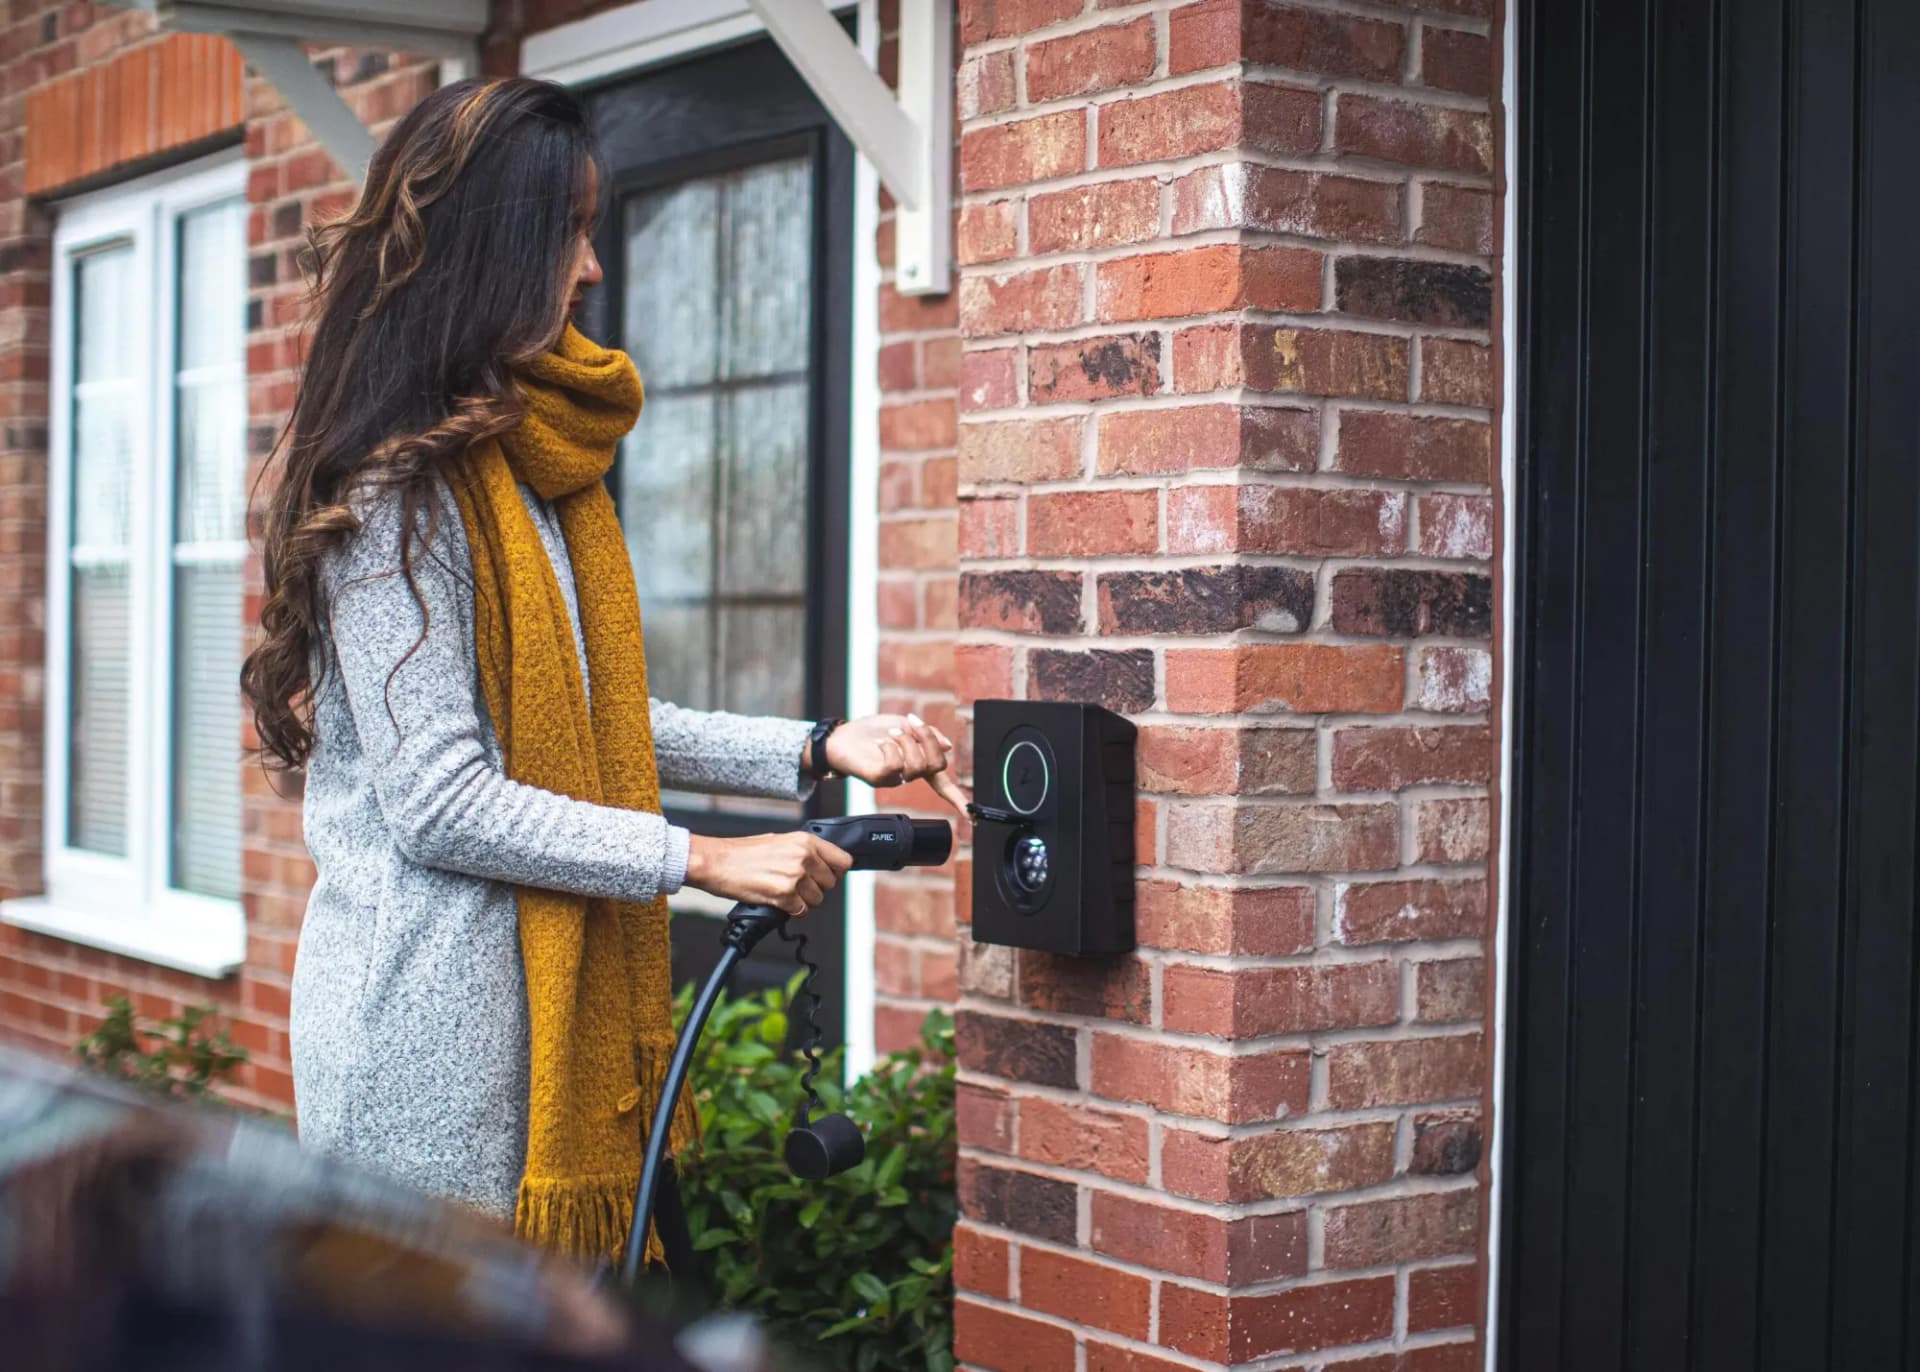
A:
(587, 1218)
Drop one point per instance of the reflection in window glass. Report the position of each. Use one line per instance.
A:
(714, 478)
(209, 547)
(100, 555)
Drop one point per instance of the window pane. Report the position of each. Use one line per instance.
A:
(672, 263)
(210, 424)
(100, 587)
(770, 275)
(762, 519)
(715, 479)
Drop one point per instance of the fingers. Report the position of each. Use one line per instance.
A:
(949, 791)
(837, 859)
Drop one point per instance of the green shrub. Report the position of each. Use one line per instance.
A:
(856, 1271)
(184, 1057)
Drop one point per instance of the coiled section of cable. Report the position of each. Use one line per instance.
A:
(808, 1001)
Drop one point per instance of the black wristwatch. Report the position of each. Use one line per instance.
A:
(817, 767)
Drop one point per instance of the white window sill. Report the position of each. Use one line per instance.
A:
(211, 948)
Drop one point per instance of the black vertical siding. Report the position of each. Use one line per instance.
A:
(1712, 1138)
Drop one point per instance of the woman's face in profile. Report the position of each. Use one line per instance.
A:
(585, 270)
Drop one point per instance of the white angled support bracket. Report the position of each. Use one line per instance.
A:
(909, 140)
(311, 96)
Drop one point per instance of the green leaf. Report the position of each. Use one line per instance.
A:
(869, 1287)
(811, 1211)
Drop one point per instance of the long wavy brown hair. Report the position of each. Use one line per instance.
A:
(452, 269)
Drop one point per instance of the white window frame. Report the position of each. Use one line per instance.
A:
(125, 903)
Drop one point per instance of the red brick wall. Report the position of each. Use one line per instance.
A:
(1225, 465)
(51, 990)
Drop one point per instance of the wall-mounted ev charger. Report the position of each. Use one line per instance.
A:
(1053, 826)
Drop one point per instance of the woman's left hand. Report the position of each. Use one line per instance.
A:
(891, 750)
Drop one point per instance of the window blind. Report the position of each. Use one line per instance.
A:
(208, 549)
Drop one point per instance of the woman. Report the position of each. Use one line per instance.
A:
(452, 652)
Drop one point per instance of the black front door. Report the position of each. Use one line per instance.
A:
(1713, 1139)
(726, 242)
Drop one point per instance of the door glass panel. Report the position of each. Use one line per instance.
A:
(714, 479)
(100, 556)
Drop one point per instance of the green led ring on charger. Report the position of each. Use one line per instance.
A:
(1006, 783)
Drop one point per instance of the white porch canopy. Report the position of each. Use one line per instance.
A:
(908, 139)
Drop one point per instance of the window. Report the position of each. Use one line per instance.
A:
(147, 539)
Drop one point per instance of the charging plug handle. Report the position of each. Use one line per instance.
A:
(886, 843)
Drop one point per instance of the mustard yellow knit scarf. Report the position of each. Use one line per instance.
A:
(599, 983)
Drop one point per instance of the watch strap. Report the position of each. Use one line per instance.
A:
(817, 767)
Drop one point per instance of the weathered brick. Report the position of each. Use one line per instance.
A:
(922, 664)
(1320, 42)
(980, 1262)
(1444, 294)
(1007, 1199)
(1459, 527)
(987, 232)
(1276, 1164)
(989, 378)
(1402, 602)
(1018, 302)
(1248, 1002)
(1403, 1071)
(1453, 372)
(1019, 1050)
(1205, 280)
(983, 1116)
(1321, 362)
(1026, 150)
(1023, 602)
(1442, 1297)
(1446, 1143)
(1090, 523)
(918, 543)
(984, 19)
(1198, 1244)
(1111, 1357)
(1450, 991)
(1403, 1229)
(989, 528)
(1019, 450)
(1397, 911)
(1413, 133)
(1393, 758)
(984, 84)
(1230, 761)
(981, 671)
(1457, 217)
(1281, 837)
(1197, 119)
(1120, 680)
(1456, 60)
(1305, 678)
(1102, 215)
(1451, 830)
(1086, 1292)
(1246, 195)
(1308, 521)
(1080, 1136)
(1265, 438)
(1001, 1341)
(1110, 988)
(1100, 59)
(1094, 368)
(1185, 1080)
(1206, 600)
(1408, 447)
(1240, 1328)
(1261, 921)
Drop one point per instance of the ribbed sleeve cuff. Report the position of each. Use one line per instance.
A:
(674, 874)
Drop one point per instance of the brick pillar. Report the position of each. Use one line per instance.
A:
(1225, 459)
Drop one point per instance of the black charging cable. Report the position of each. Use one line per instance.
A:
(819, 1145)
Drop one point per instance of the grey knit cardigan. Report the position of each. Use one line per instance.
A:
(409, 1016)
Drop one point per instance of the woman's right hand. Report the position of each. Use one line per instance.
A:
(791, 872)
